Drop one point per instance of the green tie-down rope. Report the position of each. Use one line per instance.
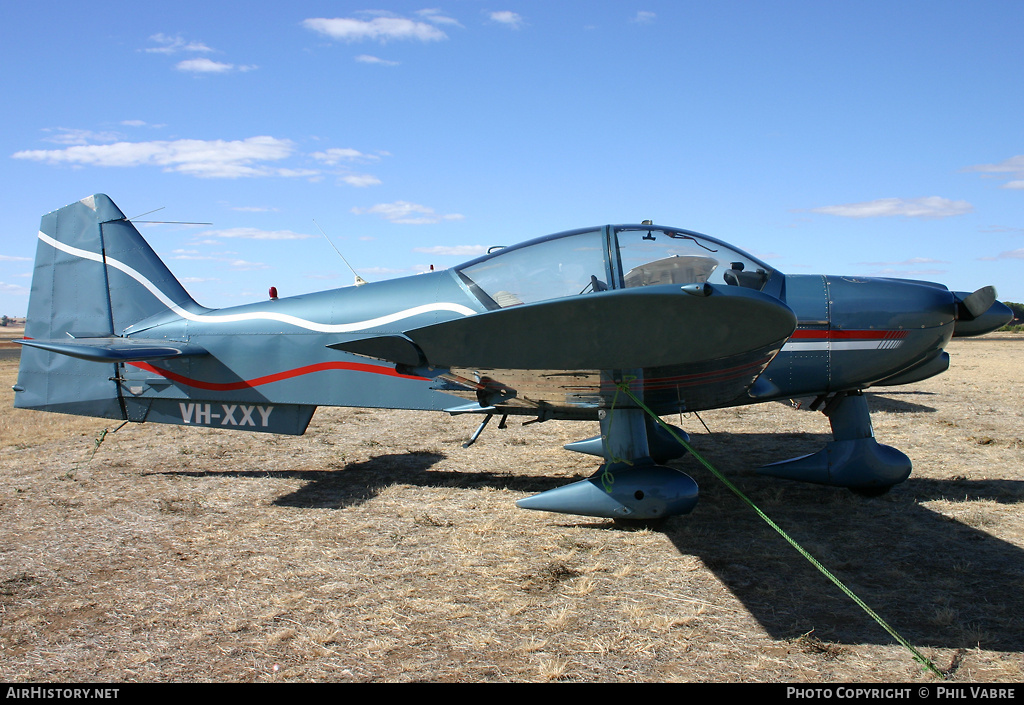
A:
(623, 386)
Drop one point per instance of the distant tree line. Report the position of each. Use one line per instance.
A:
(1017, 324)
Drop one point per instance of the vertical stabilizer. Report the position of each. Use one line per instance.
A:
(94, 277)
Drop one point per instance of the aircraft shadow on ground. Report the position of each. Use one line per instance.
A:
(357, 483)
(938, 581)
(881, 402)
(886, 403)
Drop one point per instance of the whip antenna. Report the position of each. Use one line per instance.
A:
(165, 222)
(359, 280)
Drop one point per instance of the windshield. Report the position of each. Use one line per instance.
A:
(649, 256)
(574, 263)
(550, 269)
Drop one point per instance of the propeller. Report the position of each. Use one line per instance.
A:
(978, 313)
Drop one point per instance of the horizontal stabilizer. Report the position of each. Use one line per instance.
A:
(115, 349)
(391, 348)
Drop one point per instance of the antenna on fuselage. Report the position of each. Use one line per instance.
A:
(359, 280)
(163, 222)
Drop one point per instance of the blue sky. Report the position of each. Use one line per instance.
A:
(871, 138)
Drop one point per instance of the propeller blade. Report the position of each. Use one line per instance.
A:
(973, 305)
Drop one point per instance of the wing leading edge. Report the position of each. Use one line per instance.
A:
(695, 345)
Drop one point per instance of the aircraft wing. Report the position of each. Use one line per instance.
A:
(696, 345)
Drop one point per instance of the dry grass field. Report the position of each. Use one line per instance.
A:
(376, 548)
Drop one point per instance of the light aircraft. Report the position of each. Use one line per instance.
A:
(558, 327)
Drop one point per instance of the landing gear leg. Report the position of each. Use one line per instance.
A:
(854, 459)
(629, 485)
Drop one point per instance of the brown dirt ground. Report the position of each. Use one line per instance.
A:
(375, 548)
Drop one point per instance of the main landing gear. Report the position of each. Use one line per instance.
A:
(631, 484)
(854, 459)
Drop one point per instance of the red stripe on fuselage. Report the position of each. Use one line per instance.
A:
(810, 333)
(277, 377)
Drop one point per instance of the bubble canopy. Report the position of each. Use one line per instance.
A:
(592, 260)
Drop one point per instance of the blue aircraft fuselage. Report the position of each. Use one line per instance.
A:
(556, 327)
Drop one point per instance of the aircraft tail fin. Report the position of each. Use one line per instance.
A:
(95, 277)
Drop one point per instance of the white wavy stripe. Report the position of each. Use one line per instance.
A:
(256, 315)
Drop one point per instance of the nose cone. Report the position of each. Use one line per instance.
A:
(995, 316)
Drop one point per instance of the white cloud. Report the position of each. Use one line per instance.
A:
(141, 123)
(381, 29)
(912, 260)
(407, 213)
(343, 154)
(10, 258)
(255, 234)
(172, 45)
(71, 136)
(382, 272)
(433, 15)
(311, 174)
(906, 273)
(1012, 254)
(15, 289)
(202, 158)
(643, 17)
(205, 65)
(241, 265)
(361, 180)
(929, 207)
(192, 255)
(457, 250)
(338, 155)
(1014, 165)
(176, 44)
(888, 269)
(510, 19)
(367, 59)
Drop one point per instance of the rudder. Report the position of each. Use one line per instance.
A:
(95, 276)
